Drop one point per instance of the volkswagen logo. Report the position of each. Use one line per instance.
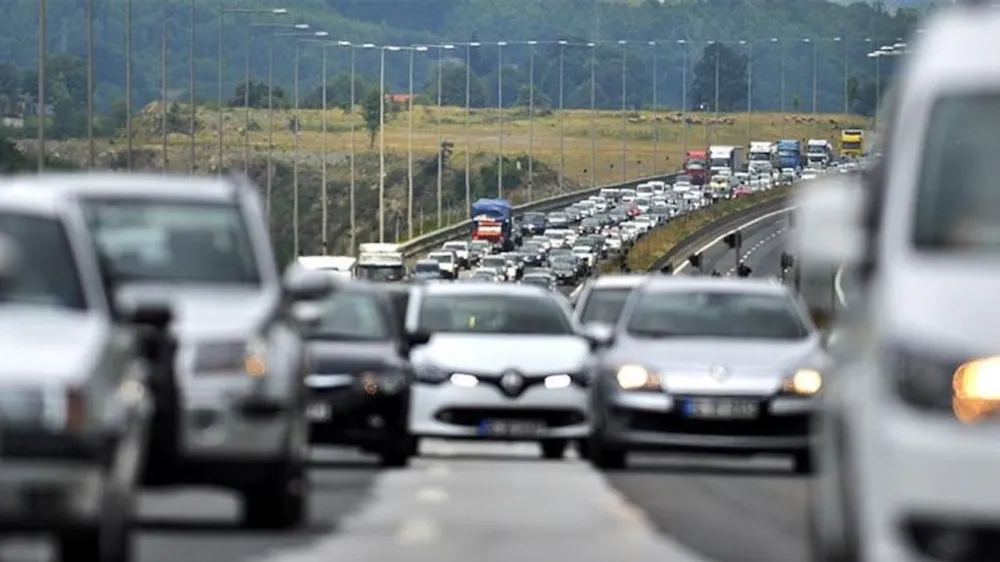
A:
(511, 382)
(718, 372)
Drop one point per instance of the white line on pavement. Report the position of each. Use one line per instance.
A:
(740, 227)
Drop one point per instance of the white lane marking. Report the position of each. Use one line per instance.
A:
(838, 286)
(740, 227)
(432, 495)
(418, 530)
(766, 240)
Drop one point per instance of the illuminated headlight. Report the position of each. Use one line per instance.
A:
(637, 377)
(464, 380)
(976, 389)
(389, 382)
(431, 374)
(804, 382)
(558, 381)
(232, 357)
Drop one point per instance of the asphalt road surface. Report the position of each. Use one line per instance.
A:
(725, 509)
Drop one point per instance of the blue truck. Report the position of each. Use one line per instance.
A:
(493, 220)
(790, 153)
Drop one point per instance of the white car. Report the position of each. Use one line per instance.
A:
(504, 362)
(907, 436)
(587, 254)
(461, 249)
(448, 262)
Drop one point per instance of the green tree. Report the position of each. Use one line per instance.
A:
(338, 92)
(453, 87)
(258, 98)
(718, 60)
(796, 102)
(371, 107)
(541, 101)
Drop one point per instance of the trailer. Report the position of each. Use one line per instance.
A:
(492, 220)
(381, 262)
(762, 157)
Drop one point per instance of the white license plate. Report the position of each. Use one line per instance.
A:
(717, 408)
(512, 428)
(319, 411)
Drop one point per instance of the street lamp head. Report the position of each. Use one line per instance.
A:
(681, 41)
(531, 43)
(563, 42)
(836, 38)
(591, 44)
(302, 26)
(874, 55)
(899, 45)
(420, 49)
(392, 48)
(322, 34)
(475, 44)
(343, 43)
(807, 40)
(279, 12)
(622, 42)
(775, 39)
(501, 43)
(652, 43)
(742, 42)
(447, 47)
(368, 45)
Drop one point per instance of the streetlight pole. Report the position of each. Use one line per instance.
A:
(718, 56)
(128, 82)
(221, 67)
(440, 157)
(531, 118)
(409, 148)
(500, 46)
(749, 45)
(295, 165)
(42, 23)
(656, 122)
(562, 136)
(593, 113)
(468, 131)
(815, 76)
(624, 163)
(163, 84)
(324, 241)
(381, 146)
(684, 89)
(91, 148)
(782, 71)
(846, 43)
(193, 120)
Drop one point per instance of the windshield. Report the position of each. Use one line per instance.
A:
(695, 163)
(557, 216)
(760, 156)
(481, 274)
(604, 306)
(661, 314)
(851, 145)
(351, 315)
(958, 200)
(171, 241)
(442, 258)
(48, 274)
(426, 266)
(536, 280)
(497, 262)
(493, 314)
(456, 246)
(381, 273)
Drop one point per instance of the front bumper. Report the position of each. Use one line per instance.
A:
(43, 495)
(236, 423)
(450, 411)
(350, 415)
(653, 421)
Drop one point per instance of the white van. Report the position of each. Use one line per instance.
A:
(344, 267)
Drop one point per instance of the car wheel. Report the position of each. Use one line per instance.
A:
(110, 540)
(279, 500)
(604, 456)
(802, 463)
(553, 450)
(397, 453)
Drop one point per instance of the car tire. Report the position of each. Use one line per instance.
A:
(802, 463)
(397, 453)
(110, 540)
(605, 457)
(554, 450)
(279, 501)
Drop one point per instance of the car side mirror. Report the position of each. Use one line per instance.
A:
(416, 339)
(598, 335)
(307, 315)
(307, 285)
(10, 264)
(828, 229)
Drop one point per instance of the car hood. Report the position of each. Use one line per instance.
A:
(496, 353)
(47, 344)
(209, 311)
(693, 365)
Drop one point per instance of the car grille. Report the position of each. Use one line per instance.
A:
(670, 422)
(473, 417)
(935, 538)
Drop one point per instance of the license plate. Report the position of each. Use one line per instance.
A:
(319, 411)
(713, 408)
(512, 428)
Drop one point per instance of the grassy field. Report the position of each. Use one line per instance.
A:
(576, 141)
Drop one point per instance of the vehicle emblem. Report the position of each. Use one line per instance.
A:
(718, 372)
(511, 382)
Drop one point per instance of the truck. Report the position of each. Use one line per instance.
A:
(790, 153)
(492, 220)
(381, 262)
(725, 158)
(762, 156)
(819, 153)
(852, 143)
(695, 165)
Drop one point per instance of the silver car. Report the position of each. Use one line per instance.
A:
(233, 413)
(504, 362)
(707, 364)
(74, 401)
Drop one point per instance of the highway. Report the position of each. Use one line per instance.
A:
(500, 502)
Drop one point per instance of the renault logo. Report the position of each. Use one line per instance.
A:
(511, 382)
(718, 372)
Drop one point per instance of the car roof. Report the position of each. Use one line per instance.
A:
(490, 289)
(130, 185)
(618, 281)
(25, 199)
(669, 283)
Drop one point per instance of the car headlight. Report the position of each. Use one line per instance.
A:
(431, 374)
(803, 382)
(637, 377)
(246, 357)
(976, 389)
(930, 383)
(388, 382)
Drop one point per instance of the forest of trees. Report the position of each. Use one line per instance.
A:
(685, 32)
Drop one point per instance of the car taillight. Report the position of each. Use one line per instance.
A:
(76, 410)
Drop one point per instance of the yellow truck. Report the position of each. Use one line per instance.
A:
(852, 143)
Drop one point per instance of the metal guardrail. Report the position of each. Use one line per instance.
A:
(697, 240)
(434, 239)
